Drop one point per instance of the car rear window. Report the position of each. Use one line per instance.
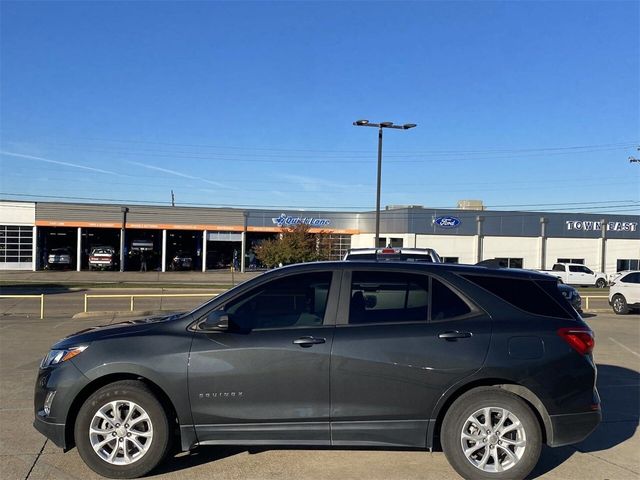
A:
(446, 303)
(539, 297)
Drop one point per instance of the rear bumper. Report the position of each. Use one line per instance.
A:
(53, 431)
(573, 427)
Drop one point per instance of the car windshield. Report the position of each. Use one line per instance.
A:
(102, 251)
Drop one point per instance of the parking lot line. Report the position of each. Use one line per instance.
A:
(624, 346)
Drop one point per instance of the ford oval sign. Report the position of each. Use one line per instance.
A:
(447, 222)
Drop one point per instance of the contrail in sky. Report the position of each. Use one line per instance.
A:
(178, 174)
(56, 162)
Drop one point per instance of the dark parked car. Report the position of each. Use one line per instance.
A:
(181, 261)
(487, 363)
(572, 296)
(59, 258)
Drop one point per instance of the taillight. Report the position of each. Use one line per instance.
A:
(579, 338)
(388, 250)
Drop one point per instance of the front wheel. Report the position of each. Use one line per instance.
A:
(601, 283)
(122, 430)
(491, 434)
(619, 304)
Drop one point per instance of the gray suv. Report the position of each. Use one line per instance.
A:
(487, 364)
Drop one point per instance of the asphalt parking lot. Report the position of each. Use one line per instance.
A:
(612, 452)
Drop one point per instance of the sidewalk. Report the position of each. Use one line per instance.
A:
(214, 277)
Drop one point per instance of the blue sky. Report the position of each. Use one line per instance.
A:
(525, 105)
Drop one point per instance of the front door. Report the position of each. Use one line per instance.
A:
(404, 340)
(266, 379)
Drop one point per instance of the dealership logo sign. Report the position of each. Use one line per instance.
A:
(587, 226)
(447, 222)
(285, 220)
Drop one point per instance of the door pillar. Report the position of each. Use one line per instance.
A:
(204, 251)
(79, 250)
(164, 250)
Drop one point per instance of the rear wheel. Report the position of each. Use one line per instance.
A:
(601, 283)
(619, 305)
(491, 434)
(122, 430)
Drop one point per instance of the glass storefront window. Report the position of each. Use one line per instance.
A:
(16, 244)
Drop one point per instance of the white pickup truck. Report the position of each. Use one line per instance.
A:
(577, 274)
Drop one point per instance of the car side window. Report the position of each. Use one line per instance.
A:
(289, 302)
(631, 278)
(575, 268)
(388, 297)
(445, 303)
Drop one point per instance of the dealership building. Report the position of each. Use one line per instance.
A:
(29, 231)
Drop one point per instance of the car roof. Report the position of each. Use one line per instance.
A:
(626, 272)
(418, 267)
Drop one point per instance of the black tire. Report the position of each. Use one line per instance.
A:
(619, 304)
(456, 420)
(601, 283)
(127, 390)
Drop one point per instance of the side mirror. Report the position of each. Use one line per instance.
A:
(218, 321)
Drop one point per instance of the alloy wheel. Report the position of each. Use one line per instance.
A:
(493, 439)
(121, 432)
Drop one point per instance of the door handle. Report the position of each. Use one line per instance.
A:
(308, 341)
(454, 335)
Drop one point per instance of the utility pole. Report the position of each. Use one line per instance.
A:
(173, 199)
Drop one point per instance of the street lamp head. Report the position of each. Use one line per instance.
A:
(360, 122)
(386, 124)
(407, 126)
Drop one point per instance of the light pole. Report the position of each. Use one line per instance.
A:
(380, 126)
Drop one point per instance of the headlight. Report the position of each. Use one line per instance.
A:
(58, 356)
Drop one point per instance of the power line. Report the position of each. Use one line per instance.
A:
(286, 152)
(631, 204)
(453, 157)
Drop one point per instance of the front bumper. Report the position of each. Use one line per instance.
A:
(573, 427)
(67, 382)
(53, 431)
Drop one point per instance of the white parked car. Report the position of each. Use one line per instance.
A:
(624, 294)
(577, 274)
(103, 258)
(394, 254)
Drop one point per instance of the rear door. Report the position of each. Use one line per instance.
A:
(581, 275)
(401, 341)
